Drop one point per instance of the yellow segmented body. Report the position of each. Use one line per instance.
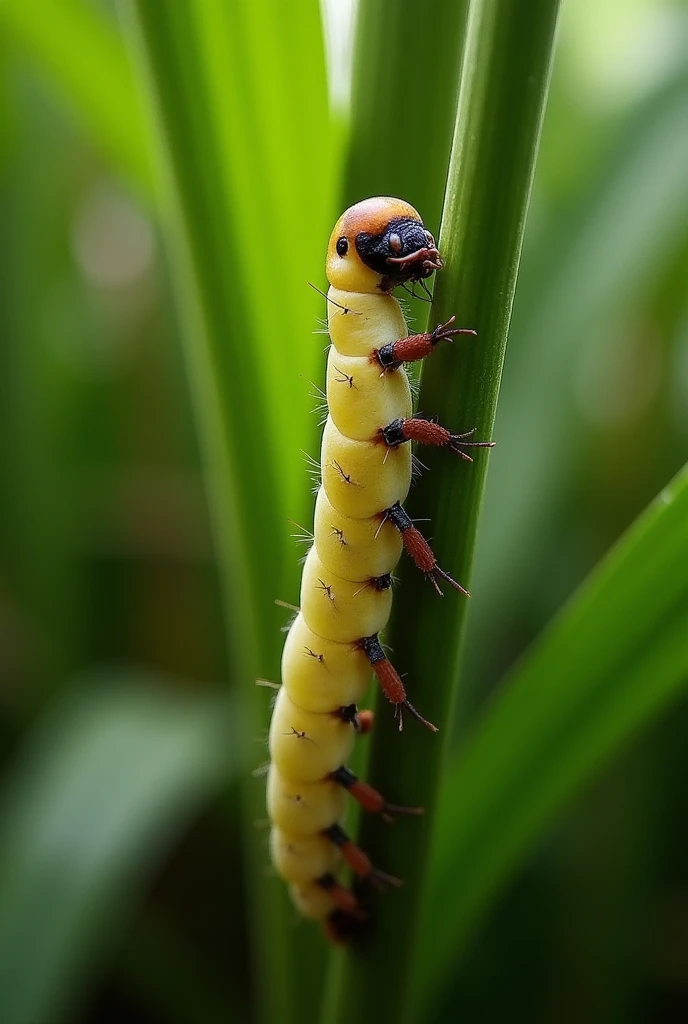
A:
(323, 667)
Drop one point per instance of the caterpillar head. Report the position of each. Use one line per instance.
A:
(378, 244)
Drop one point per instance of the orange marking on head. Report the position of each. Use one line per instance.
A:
(372, 216)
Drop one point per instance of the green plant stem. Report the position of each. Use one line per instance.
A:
(501, 102)
(76, 47)
(239, 183)
(609, 664)
(77, 846)
(400, 145)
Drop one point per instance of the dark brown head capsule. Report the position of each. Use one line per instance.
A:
(378, 244)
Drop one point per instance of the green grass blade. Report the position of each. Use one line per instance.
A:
(42, 397)
(400, 146)
(111, 778)
(504, 84)
(403, 101)
(626, 225)
(79, 50)
(611, 662)
(240, 117)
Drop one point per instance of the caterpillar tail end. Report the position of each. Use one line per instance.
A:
(344, 926)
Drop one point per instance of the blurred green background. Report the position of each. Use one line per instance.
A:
(120, 865)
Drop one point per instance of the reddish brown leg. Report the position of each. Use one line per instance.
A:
(390, 681)
(343, 897)
(359, 862)
(427, 432)
(417, 346)
(362, 721)
(369, 799)
(366, 721)
(419, 549)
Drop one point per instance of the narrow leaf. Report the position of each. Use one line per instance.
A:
(238, 103)
(87, 812)
(611, 662)
(404, 91)
(624, 227)
(400, 147)
(501, 101)
(79, 50)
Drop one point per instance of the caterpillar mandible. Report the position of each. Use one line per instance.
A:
(360, 531)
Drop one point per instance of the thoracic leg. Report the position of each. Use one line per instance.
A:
(416, 346)
(390, 680)
(430, 433)
(369, 798)
(359, 862)
(419, 549)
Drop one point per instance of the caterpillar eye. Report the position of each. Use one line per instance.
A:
(395, 243)
(342, 246)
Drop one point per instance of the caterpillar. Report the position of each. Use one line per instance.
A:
(360, 531)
